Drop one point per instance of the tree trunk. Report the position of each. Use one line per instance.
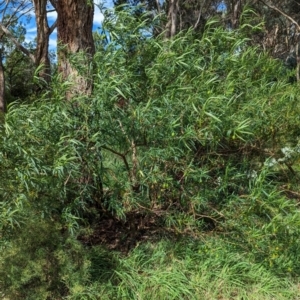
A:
(2, 85)
(74, 32)
(43, 33)
(236, 12)
(171, 25)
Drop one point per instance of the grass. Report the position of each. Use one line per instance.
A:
(183, 269)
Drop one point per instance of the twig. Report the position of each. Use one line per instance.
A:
(132, 172)
(158, 6)
(16, 42)
(200, 13)
(123, 156)
(282, 13)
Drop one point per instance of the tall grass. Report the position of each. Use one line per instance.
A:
(186, 269)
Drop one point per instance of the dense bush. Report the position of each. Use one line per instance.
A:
(190, 121)
(191, 130)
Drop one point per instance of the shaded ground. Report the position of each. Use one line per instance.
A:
(139, 227)
(124, 235)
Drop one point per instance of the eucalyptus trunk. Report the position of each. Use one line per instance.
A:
(75, 43)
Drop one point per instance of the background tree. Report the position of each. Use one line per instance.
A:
(177, 15)
(282, 19)
(19, 74)
(42, 42)
(15, 10)
(182, 15)
(10, 12)
(280, 33)
(279, 36)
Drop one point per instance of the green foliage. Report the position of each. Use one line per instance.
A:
(267, 225)
(19, 71)
(187, 269)
(18, 67)
(182, 116)
(40, 261)
(185, 129)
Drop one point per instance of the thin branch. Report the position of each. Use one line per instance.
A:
(134, 163)
(25, 12)
(16, 42)
(282, 13)
(297, 58)
(200, 13)
(132, 172)
(53, 3)
(123, 156)
(158, 7)
(297, 34)
(53, 26)
(16, 14)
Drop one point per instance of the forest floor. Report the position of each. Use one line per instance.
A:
(142, 259)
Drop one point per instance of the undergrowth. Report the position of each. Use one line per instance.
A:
(208, 268)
